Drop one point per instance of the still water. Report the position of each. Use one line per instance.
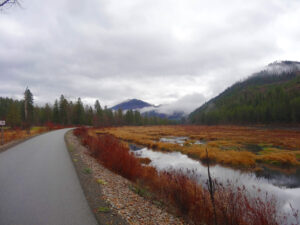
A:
(279, 185)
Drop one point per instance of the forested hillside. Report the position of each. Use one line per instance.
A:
(270, 96)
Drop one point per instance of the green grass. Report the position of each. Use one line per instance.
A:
(271, 162)
(103, 209)
(140, 191)
(35, 128)
(158, 203)
(225, 148)
(266, 149)
(87, 170)
(100, 181)
(70, 146)
(253, 148)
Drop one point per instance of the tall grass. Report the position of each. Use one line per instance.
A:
(233, 205)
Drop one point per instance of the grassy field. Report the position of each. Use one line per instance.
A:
(233, 146)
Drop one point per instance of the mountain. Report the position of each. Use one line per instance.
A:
(269, 96)
(133, 104)
(175, 115)
(147, 108)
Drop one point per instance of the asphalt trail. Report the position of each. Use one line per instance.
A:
(39, 185)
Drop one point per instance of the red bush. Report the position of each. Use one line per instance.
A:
(80, 132)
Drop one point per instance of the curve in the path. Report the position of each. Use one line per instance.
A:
(39, 185)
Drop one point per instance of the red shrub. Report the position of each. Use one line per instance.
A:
(114, 155)
(50, 126)
(80, 131)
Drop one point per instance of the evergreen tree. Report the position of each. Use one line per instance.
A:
(78, 117)
(70, 112)
(46, 114)
(110, 117)
(129, 117)
(28, 108)
(89, 114)
(56, 116)
(137, 118)
(37, 115)
(14, 115)
(98, 119)
(63, 110)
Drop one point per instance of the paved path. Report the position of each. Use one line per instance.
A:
(39, 185)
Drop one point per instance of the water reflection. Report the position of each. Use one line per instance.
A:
(277, 186)
(180, 140)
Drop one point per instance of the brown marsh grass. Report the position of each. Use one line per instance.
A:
(234, 146)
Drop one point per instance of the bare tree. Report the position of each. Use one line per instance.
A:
(8, 3)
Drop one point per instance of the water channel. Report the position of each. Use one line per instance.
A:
(285, 188)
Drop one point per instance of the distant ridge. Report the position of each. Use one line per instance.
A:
(269, 96)
(147, 109)
(131, 104)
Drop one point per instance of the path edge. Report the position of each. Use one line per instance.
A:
(91, 189)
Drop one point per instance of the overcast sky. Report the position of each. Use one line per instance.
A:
(179, 52)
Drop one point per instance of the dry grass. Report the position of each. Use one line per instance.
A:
(17, 134)
(234, 146)
(145, 161)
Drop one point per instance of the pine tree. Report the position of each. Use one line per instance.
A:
(46, 114)
(63, 110)
(98, 119)
(28, 108)
(14, 115)
(137, 118)
(78, 117)
(89, 114)
(56, 117)
(119, 116)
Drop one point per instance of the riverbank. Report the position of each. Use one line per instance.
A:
(113, 198)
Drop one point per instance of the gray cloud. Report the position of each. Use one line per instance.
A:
(157, 51)
(185, 104)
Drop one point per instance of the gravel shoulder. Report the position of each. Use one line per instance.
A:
(101, 208)
(110, 196)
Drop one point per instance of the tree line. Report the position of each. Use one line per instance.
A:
(23, 113)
